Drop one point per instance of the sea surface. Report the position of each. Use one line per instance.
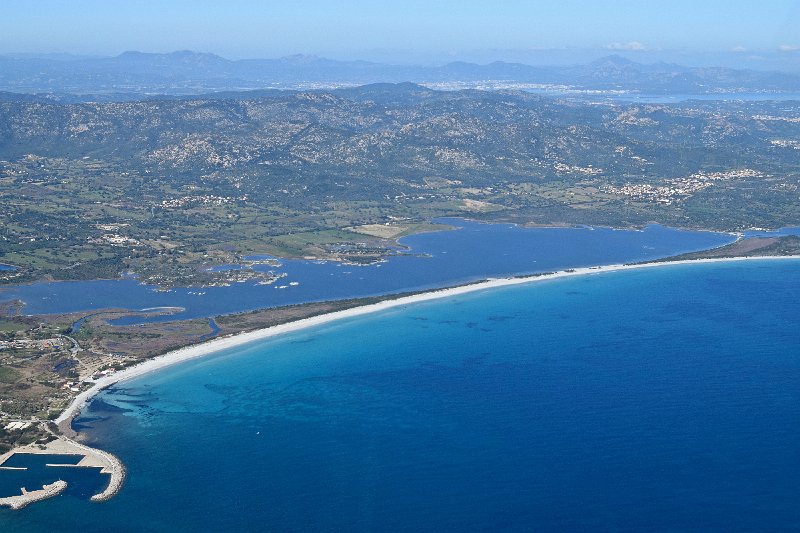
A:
(473, 251)
(780, 232)
(668, 98)
(658, 399)
(724, 97)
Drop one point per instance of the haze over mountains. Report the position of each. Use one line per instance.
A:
(187, 72)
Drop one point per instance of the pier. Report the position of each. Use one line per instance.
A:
(30, 496)
(92, 458)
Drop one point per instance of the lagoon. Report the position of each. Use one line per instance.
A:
(472, 252)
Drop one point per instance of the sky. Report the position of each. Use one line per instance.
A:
(349, 29)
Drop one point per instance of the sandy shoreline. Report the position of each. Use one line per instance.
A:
(209, 347)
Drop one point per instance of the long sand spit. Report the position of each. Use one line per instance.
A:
(209, 347)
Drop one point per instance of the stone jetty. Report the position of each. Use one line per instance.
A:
(92, 458)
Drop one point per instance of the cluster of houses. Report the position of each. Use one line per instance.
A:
(786, 143)
(75, 386)
(17, 426)
(677, 189)
(103, 373)
(206, 199)
(45, 344)
(575, 169)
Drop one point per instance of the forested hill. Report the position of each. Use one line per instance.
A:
(276, 163)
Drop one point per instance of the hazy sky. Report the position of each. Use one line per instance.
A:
(352, 28)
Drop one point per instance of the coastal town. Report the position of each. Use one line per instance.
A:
(678, 189)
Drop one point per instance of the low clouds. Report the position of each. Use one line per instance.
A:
(631, 45)
(789, 47)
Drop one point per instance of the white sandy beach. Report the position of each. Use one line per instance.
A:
(222, 343)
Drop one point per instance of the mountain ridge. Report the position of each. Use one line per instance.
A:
(190, 72)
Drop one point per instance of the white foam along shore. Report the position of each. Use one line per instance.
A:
(209, 347)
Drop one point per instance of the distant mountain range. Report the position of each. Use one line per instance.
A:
(186, 72)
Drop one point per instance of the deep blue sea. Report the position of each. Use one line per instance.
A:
(474, 251)
(661, 399)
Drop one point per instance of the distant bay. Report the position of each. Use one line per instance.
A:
(781, 232)
(643, 98)
(635, 97)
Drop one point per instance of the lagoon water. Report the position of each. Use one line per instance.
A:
(474, 251)
(655, 399)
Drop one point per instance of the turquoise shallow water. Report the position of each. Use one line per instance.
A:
(656, 399)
